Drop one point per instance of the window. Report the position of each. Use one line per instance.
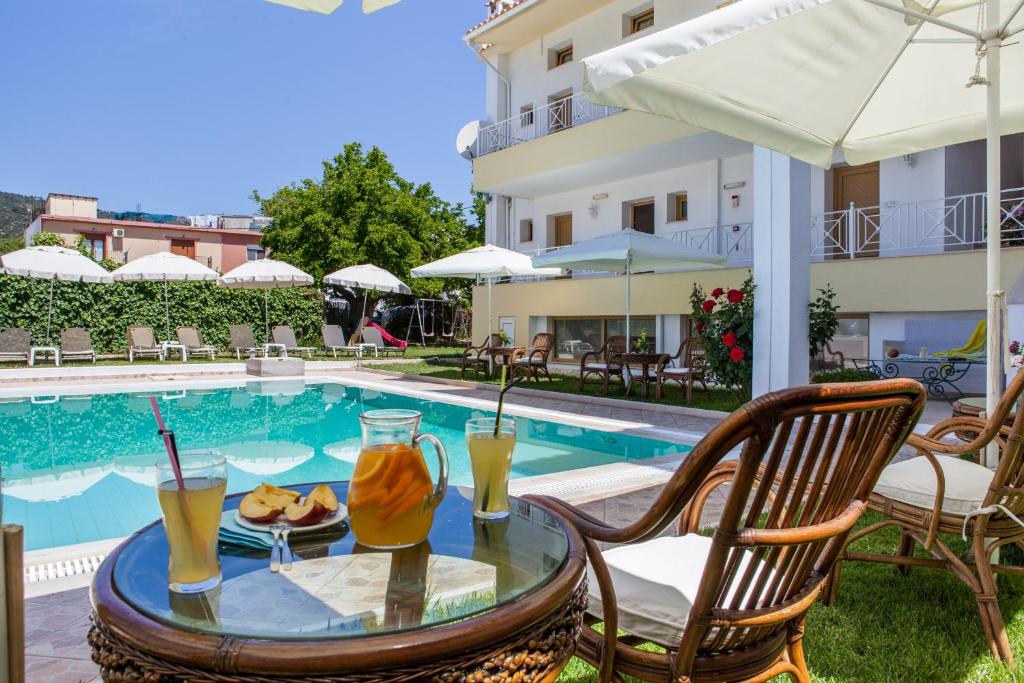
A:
(526, 116)
(577, 336)
(560, 55)
(526, 230)
(678, 207)
(95, 245)
(640, 215)
(617, 327)
(253, 253)
(641, 22)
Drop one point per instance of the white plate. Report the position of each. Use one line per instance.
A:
(336, 517)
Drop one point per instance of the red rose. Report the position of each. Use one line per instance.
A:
(735, 296)
(717, 292)
(709, 306)
(700, 327)
(729, 339)
(737, 354)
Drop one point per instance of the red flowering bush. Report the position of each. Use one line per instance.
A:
(737, 355)
(735, 296)
(729, 339)
(717, 292)
(727, 329)
(709, 306)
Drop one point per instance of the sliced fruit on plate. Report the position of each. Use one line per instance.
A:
(324, 495)
(256, 510)
(274, 496)
(306, 513)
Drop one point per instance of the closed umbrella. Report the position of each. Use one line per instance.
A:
(164, 267)
(367, 277)
(53, 263)
(628, 251)
(487, 262)
(859, 80)
(265, 274)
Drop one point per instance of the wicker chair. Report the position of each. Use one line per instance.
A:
(827, 359)
(606, 362)
(533, 361)
(242, 340)
(192, 338)
(142, 342)
(477, 357)
(692, 368)
(76, 344)
(940, 492)
(732, 607)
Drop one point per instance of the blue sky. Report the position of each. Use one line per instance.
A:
(188, 105)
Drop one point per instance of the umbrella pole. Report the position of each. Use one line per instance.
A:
(993, 221)
(167, 312)
(629, 298)
(266, 316)
(49, 311)
(490, 327)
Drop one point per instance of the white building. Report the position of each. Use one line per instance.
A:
(899, 240)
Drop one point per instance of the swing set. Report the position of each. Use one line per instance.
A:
(436, 322)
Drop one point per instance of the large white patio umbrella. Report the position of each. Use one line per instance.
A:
(820, 80)
(488, 263)
(628, 251)
(164, 267)
(53, 263)
(265, 274)
(328, 6)
(367, 277)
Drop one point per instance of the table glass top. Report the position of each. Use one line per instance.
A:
(338, 589)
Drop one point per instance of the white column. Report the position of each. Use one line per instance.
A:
(782, 270)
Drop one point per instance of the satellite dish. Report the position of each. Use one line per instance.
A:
(465, 142)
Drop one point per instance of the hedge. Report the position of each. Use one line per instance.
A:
(108, 310)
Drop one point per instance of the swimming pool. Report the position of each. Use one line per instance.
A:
(80, 468)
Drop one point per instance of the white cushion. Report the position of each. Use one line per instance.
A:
(656, 583)
(681, 372)
(596, 366)
(913, 481)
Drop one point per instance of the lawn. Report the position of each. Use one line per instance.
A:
(889, 627)
(714, 399)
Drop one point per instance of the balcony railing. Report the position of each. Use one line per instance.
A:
(529, 125)
(124, 257)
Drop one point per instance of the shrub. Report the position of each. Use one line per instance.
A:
(844, 375)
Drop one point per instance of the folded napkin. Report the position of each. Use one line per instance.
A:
(233, 533)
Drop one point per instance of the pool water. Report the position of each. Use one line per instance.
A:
(81, 468)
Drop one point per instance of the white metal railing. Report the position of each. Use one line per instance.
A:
(954, 223)
(735, 242)
(550, 118)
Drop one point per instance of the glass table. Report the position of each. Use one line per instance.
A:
(476, 597)
(940, 376)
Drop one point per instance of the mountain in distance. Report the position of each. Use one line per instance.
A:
(18, 210)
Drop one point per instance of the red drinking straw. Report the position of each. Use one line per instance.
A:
(172, 451)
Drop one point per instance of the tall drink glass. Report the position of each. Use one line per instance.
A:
(491, 458)
(192, 519)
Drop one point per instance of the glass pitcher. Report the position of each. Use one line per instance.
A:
(391, 498)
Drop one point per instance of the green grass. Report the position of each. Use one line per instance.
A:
(889, 627)
(714, 399)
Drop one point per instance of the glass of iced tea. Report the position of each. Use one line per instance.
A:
(490, 455)
(391, 498)
(192, 519)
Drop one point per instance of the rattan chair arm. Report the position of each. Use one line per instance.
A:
(806, 534)
(609, 611)
(921, 445)
(663, 362)
(583, 358)
(541, 355)
(722, 473)
(932, 440)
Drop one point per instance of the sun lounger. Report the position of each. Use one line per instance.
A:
(142, 342)
(242, 340)
(334, 341)
(192, 338)
(371, 335)
(15, 344)
(75, 343)
(285, 336)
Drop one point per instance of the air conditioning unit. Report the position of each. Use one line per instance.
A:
(118, 232)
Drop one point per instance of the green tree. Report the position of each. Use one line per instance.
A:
(9, 244)
(48, 239)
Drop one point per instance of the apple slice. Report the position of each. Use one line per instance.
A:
(324, 495)
(272, 496)
(306, 514)
(255, 510)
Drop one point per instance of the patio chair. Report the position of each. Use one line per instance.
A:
(76, 344)
(938, 491)
(242, 339)
(692, 368)
(827, 359)
(606, 362)
(284, 334)
(732, 606)
(534, 360)
(192, 338)
(15, 344)
(477, 357)
(371, 335)
(142, 342)
(334, 340)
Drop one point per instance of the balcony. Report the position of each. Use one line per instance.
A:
(123, 257)
(536, 123)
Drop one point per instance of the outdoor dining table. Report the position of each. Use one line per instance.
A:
(645, 377)
(477, 599)
(503, 355)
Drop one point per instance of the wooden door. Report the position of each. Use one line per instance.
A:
(857, 185)
(642, 218)
(563, 230)
(184, 248)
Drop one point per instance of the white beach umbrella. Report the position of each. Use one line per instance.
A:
(487, 262)
(265, 274)
(266, 458)
(628, 251)
(367, 277)
(328, 6)
(860, 80)
(164, 267)
(53, 263)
